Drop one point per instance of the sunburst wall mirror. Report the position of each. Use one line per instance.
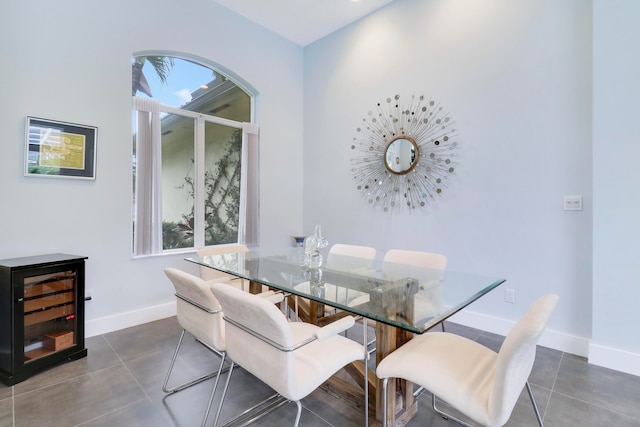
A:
(404, 155)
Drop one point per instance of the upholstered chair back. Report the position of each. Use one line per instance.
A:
(210, 274)
(516, 357)
(428, 269)
(198, 310)
(415, 258)
(260, 316)
(350, 257)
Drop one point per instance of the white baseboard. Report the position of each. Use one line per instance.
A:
(550, 338)
(103, 325)
(614, 358)
(608, 357)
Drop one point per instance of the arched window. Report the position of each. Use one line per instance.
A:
(194, 157)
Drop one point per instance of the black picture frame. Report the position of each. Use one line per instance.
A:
(55, 149)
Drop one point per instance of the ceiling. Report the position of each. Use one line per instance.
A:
(303, 21)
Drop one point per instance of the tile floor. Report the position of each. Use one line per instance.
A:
(119, 384)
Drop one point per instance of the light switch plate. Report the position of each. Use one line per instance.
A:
(572, 203)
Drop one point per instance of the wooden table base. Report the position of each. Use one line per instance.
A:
(402, 406)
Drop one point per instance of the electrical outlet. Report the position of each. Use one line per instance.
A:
(572, 203)
(88, 294)
(510, 295)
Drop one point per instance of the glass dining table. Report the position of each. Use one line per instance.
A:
(401, 299)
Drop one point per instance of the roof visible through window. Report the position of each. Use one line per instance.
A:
(184, 82)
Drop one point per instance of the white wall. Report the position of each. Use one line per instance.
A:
(516, 76)
(616, 177)
(71, 60)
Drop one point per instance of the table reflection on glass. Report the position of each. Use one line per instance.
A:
(401, 299)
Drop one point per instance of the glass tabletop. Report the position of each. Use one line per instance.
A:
(408, 297)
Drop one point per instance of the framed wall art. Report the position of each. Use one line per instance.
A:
(56, 149)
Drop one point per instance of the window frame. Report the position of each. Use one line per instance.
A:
(248, 157)
(249, 226)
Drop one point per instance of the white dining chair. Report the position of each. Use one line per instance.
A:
(480, 383)
(416, 258)
(351, 258)
(342, 257)
(293, 358)
(212, 275)
(429, 301)
(199, 314)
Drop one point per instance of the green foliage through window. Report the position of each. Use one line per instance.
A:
(222, 202)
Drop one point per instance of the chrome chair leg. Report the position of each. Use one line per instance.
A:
(252, 414)
(535, 406)
(366, 373)
(445, 415)
(433, 402)
(385, 383)
(298, 414)
(224, 394)
(173, 361)
(213, 392)
(188, 383)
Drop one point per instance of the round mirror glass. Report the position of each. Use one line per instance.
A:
(401, 155)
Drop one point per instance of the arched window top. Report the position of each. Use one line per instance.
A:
(186, 84)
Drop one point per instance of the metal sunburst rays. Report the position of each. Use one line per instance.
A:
(433, 131)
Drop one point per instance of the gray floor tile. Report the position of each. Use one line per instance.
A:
(187, 407)
(78, 400)
(244, 392)
(565, 411)
(334, 411)
(545, 368)
(492, 341)
(5, 391)
(6, 412)
(523, 414)
(600, 386)
(138, 341)
(194, 360)
(286, 415)
(464, 331)
(140, 414)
